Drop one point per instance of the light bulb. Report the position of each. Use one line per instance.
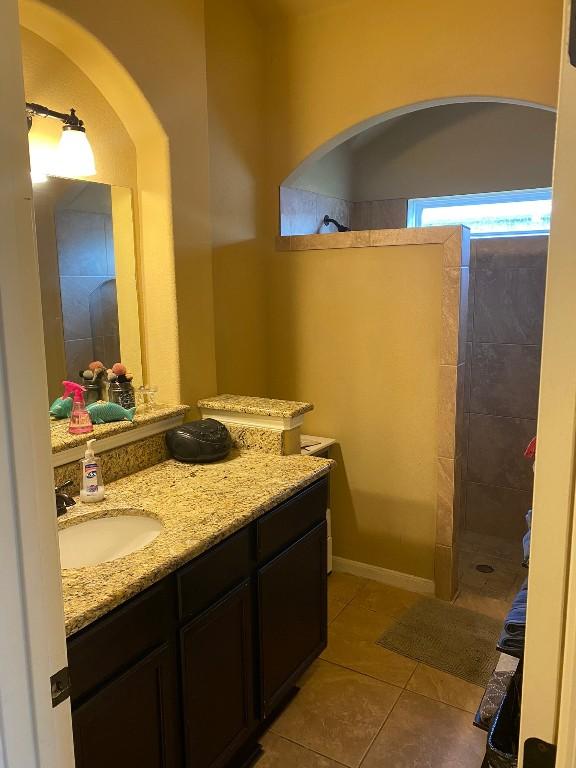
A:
(37, 176)
(74, 156)
(40, 160)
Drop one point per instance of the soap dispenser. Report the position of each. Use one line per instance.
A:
(92, 486)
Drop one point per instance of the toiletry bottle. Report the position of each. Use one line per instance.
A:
(80, 422)
(92, 486)
(61, 408)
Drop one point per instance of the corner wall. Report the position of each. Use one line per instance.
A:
(388, 385)
(235, 41)
(357, 331)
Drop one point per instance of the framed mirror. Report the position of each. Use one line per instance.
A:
(86, 255)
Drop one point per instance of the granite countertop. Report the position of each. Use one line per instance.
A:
(258, 406)
(62, 439)
(198, 504)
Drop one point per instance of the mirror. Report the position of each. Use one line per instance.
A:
(85, 241)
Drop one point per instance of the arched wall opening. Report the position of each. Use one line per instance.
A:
(151, 191)
(495, 393)
(364, 176)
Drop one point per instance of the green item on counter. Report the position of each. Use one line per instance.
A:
(103, 413)
(61, 408)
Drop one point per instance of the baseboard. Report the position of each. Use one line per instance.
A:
(384, 575)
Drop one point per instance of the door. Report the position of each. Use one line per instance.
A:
(217, 680)
(32, 732)
(548, 688)
(292, 614)
(133, 721)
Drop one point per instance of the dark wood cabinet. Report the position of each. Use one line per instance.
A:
(217, 680)
(186, 673)
(132, 721)
(292, 615)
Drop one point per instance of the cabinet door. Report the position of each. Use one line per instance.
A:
(292, 615)
(133, 721)
(217, 680)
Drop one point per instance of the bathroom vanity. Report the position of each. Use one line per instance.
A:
(213, 637)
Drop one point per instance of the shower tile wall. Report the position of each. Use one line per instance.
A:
(380, 214)
(87, 289)
(507, 281)
(302, 212)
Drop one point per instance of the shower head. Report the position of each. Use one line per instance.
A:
(340, 227)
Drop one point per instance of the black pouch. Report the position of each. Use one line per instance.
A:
(199, 441)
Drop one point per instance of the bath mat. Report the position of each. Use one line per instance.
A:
(446, 637)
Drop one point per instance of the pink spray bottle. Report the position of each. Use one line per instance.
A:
(80, 422)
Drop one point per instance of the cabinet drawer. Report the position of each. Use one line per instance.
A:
(108, 647)
(292, 519)
(214, 573)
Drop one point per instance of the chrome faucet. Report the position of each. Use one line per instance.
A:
(63, 500)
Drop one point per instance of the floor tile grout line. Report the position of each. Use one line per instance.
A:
(365, 755)
(405, 687)
(360, 588)
(365, 674)
(418, 663)
(436, 701)
(308, 749)
(446, 703)
(346, 604)
(379, 731)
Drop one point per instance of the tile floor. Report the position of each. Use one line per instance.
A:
(361, 705)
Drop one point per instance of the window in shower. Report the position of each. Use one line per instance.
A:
(490, 214)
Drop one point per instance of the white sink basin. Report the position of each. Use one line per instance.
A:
(105, 538)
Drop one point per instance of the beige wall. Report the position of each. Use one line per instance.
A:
(127, 281)
(455, 149)
(357, 332)
(236, 105)
(331, 175)
(445, 150)
(328, 67)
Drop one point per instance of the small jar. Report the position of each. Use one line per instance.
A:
(146, 398)
(94, 391)
(122, 393)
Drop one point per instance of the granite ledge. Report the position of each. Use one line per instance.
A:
(62, 439)
(198, 504)
(257, 406)
(366, 238)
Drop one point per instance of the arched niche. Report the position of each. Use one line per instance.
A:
(153, 212)
(438, 147)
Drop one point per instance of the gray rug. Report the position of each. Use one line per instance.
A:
(446, 637)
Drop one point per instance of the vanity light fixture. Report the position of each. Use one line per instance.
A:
(73, 156)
